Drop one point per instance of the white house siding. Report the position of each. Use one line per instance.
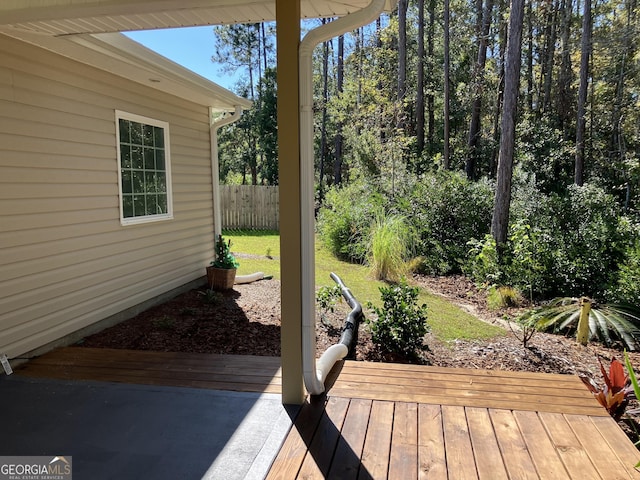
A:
(65, 260)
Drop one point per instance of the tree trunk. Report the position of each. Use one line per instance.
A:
(502, 46)
(402, 59)
(323, 127)
(500, 220)
(430, 96)
(420, 83)
(445, 158)
(476, 109)
(337, 163)
(550, 57)
(529, 97)
(564, 103)
(582, 93)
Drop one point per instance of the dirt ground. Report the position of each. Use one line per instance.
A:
(246, 320)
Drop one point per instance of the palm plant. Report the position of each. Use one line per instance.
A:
(607, 322)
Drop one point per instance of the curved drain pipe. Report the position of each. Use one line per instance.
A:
(313, 381)
(349, 337)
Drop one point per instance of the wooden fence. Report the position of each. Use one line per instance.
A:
(254, 207)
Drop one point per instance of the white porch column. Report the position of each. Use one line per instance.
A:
(288, 41)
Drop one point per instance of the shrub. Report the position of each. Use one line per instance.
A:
(345, 220)
(627, 288)
(390, 247)
(326, 298)
(446, 211)
(401, 323)
(558, 245)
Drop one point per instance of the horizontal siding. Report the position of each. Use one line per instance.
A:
(65, 260)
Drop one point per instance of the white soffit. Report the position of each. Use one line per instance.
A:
(69, 17)
(119, 55)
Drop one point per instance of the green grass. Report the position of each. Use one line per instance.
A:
(448, 322)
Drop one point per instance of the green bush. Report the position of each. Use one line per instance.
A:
(570, 245)
(627, 289)
(345, 221)
(401, 323)
(446, 211)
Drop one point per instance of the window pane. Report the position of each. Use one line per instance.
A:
(136, 133)
(138, 205)
(152, 205)
(136, 157)
(162, 204)
(127, 206)
(127, 186)
(149, 163)
(161, 182)
(158, 133)
(125, 156)
(160, 164)
(150, 182)
(147, 132)
(138, 181)
(124, 131)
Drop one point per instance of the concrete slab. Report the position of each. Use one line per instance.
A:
(133, 431)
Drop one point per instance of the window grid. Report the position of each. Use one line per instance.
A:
(144, 173)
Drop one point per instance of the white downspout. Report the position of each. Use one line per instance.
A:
(314, 378)
(215, 164)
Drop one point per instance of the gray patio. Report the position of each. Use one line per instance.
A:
(122, 431)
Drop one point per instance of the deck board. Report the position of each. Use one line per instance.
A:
(485, 445)
(377, 444)
(395, 421)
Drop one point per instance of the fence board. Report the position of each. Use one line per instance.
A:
(253, 207)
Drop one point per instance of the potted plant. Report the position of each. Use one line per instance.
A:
(222, 272)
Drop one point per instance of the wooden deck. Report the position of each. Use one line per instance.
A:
(398, 421)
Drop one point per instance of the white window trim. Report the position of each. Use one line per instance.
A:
(156, 123)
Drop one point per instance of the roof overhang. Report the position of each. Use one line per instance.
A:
(119, 55)
(71, 17)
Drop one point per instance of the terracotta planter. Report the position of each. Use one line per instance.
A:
(221, 278)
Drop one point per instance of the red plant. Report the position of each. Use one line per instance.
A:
(617, 391)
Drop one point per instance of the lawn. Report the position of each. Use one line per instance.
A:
(448, 322)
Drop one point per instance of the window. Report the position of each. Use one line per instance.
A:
(144, 173)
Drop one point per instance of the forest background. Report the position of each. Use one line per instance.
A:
(494, 139)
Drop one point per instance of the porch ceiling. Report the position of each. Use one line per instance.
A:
(68, 17)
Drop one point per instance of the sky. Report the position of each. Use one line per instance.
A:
(190, 47)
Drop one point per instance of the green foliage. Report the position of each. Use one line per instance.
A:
(607, 322)
(541, 140)
(401, 323)
(628, 286)
(558, 245)
(390, 247)
(224, 257)
(326, 298)
(344, 222)
(446, 210)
